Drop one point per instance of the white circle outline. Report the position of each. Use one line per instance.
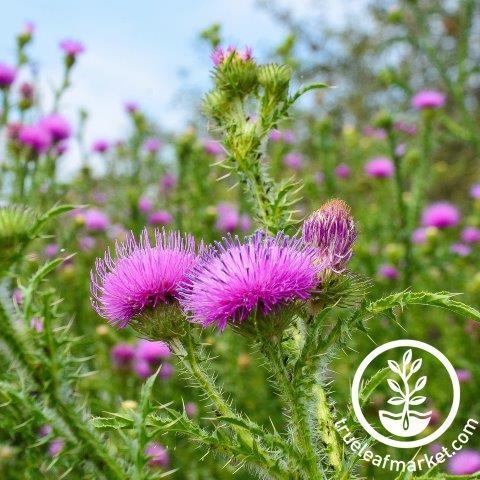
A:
(356, 387)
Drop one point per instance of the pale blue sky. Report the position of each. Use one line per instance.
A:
(136, 50)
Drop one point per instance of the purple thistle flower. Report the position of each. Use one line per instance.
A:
(460, 249)
(95, 220)
(388, 271)
(191, 409)
(57, 126)
(142, 276)
(464, 463)
(332, 231)
(464, 375)
(55, 447)
(275, 135)
(45, 430)
(406, 128)
(7, 75)
(160, 217)
(376, 133)
(167, 182)
(245, 223)
(475, 191)
(86, 243)
(219, 55)
(440, 215)
(152, 352)
(293, 160)
(288, 137)
(144, 204)
(166, 371)
(100, 146)
(35, 137)
(212, 147)
(379, 167)
(142, 369)
(36, 323)
(227, 217)
(428, 99)
(131, 107)
(319, 178)
(232, 279)
(51, 250)
(72, 48)
(342, 171)
(419, 236)
(157, 455)
(471, 235)
(152, 145)
(122, 354)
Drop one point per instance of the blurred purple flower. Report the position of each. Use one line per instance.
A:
(166, 371)
(191, 409)
(475, 191)
(122, 355)
(95, 220)
(212, 147)
(7, 75)
(157, 455)
(45, 430)
(372, 132)
(288, 136)
(131, 107)
(471, 235)
(57, 126)
(51, 250)
(141, 276)
(464, 463)
(464, 375)
(342, 171)
(379, 167)
(142, 369)
(460, 249)
(227, 217)
(152, 145)
(388, 271)
(319, 177)
(233, 279)
(275, 135)
(440, 215)
(293, 160)
(86, 243)
(245, 223)
(36, 323)
(100, 146)
(17, 296)
(152, 352)
(428, 99)
(55, 447)
(144, 204)
(419, 236)
(407, 128)
(167, 182)
(72, 48)
(160, 217)
(35, 137)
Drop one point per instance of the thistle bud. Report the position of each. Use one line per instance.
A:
(331, 229)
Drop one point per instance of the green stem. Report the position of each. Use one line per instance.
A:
(405, 234)
(302, 436)
(188, 354)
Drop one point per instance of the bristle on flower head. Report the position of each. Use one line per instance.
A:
(143, 275)
(234, 279)
(331, 229)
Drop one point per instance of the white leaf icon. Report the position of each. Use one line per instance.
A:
(394, 366)
(416, 365)
(421, 382)
(417, 400)
(407, 356)
(394, 386)
(396, 401)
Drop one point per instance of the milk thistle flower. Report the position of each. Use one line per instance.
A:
(152, 145)
(342, 171)
(100, 146)
(57, 126)
(152, 352)
(160, 217)
(379, 167)
(475, 191)
(388, 272)
(332, 231)
(157, 455)
(95, 220)
(142, 283)
(234, 280)
(428, 99)
(440, 215)
(122, 355)
(7, 75)
(72, 48)
(36, 137)
(293, 160)
(471, 235)
(464, 463)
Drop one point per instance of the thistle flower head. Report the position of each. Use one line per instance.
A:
(332, 231)
(7, 75)
(143, 276)
(152, 352)
(72, 48)
(95, 220)
(160, 217)
(440, 215)
(219, 55)
(464, 463)
(428, 99)
(100, 146)
(157, 455)
(57, 126)
(379, 167)
(234, 280)
(36, 137)
(152, 145)
(342, 171)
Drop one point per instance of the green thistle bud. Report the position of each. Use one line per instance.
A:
(383, 120)
(236, 77)
(216, 105)
(275, 79)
